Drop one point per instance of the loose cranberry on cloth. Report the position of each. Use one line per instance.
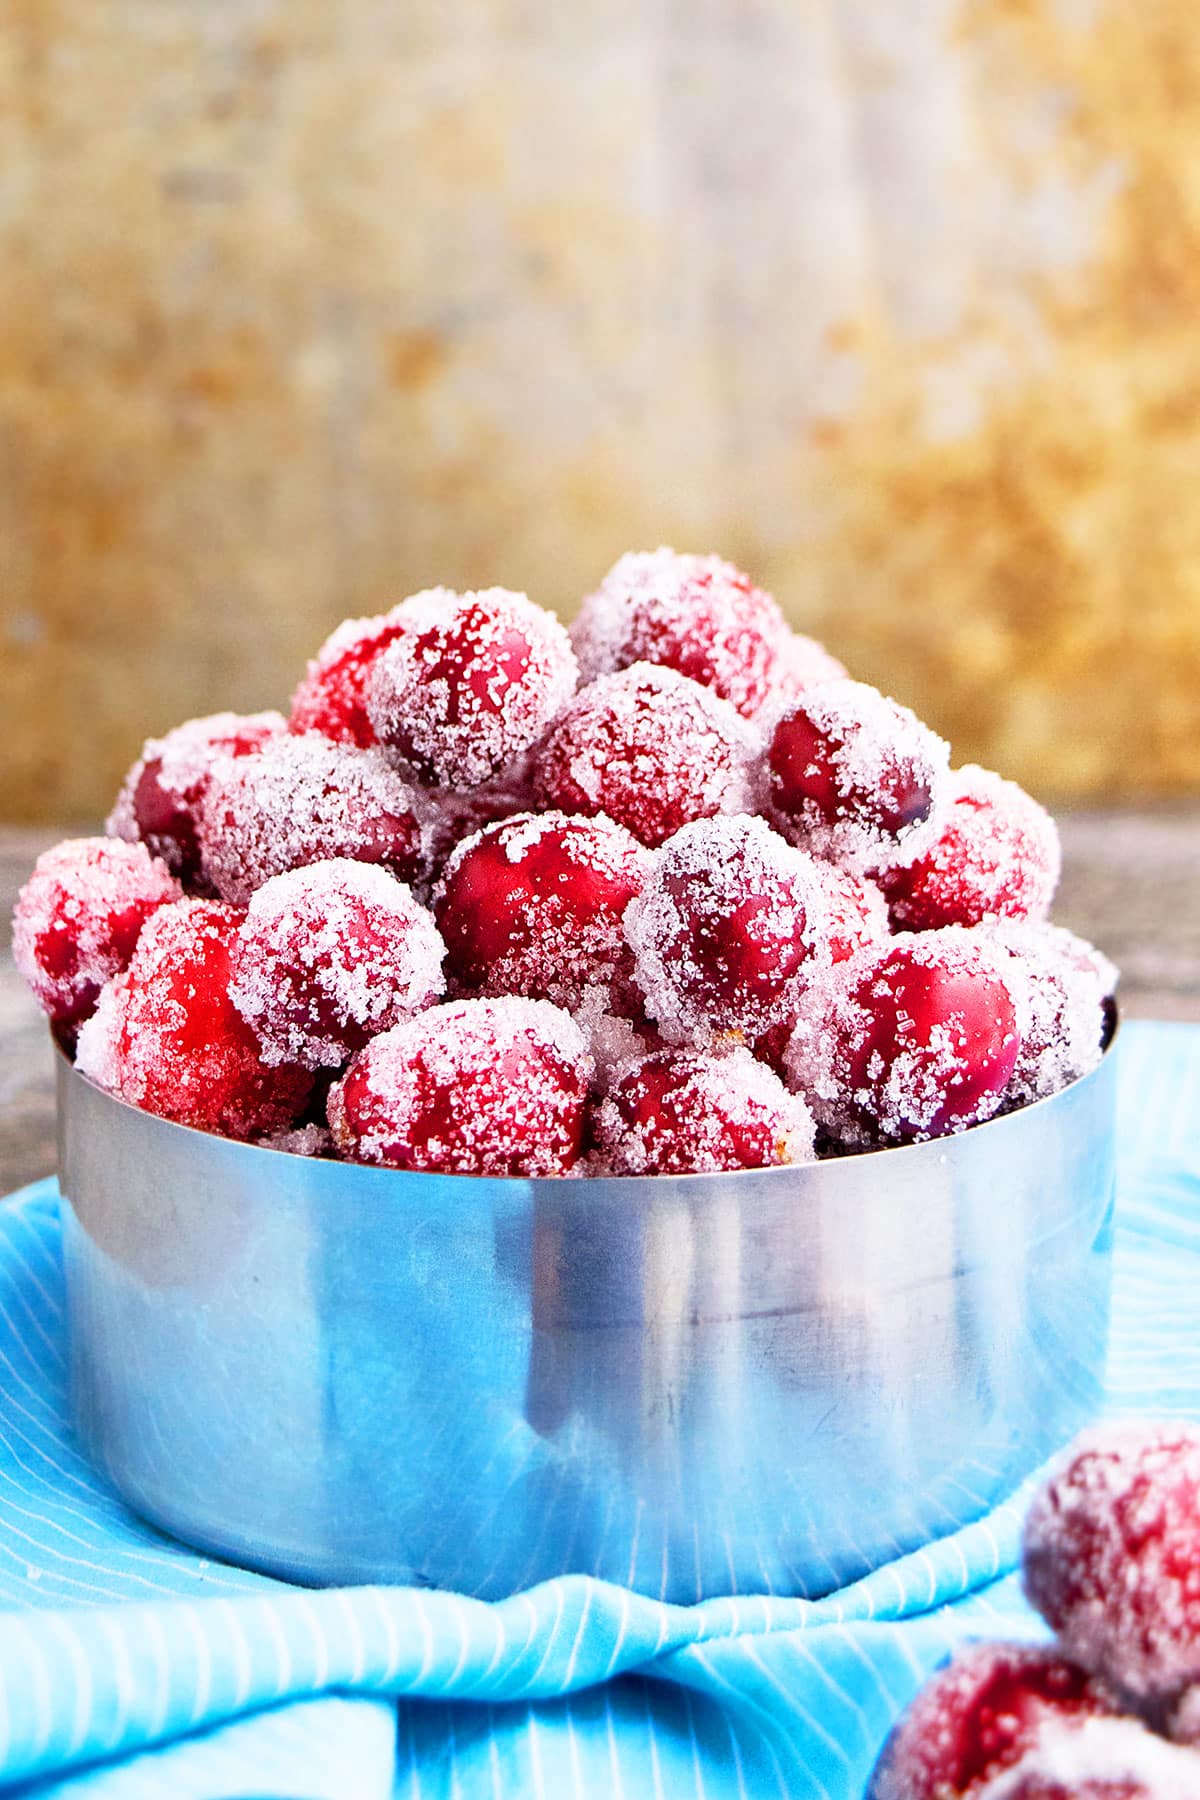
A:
(78, 917)
(331, 698)
(1106, 1759)
(476, 1087)
(678, 1113)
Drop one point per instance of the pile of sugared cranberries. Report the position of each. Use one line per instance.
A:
(666, 894)
(1112, 1562)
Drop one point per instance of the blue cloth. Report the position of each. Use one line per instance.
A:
(131, 1667)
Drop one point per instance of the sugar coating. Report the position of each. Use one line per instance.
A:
(997, 855)
(1099, 1759)
(166, 1037)
(874, 791)
(856, 913)
(678, 1112)
(1112, 1555)
(301, 800)
(1060, 990)
(800, 663)
(330, 955)
(726, 931)
(448, 817)
(651, 749)
(696, 614)
(331, 698)
(533, 905)
(1183, 1726)
(305, 1140)
(877, 1068)
(475, 1087)
(471, 684)
(78, 916)
(613, 1038)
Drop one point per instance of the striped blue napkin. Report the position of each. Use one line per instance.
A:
(131, 1667)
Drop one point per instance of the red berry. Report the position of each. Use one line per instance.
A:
(695, 614)
(1112, 1556)
(163, 794)
(978, 1717)
(726, 929)
(855, 777)
(330, 955)
(908, 1039)
(450, 818)
(478, 1087)
(997, 856)
(167, 1037)
(533, 905)
(78, 917)
(678, 1113)
(855, 911)
(650, 748)
(1060, 994)
(801, 663)
(471, 684)
(331, 699)
(301, 800)
(1097, 1759)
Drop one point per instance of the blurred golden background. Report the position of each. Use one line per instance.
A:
(894, 302)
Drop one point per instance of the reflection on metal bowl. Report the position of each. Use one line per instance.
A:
(695, 1385)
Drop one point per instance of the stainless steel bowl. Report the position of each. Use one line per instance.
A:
(695, 1385)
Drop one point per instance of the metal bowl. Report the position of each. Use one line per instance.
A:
(695, 1385)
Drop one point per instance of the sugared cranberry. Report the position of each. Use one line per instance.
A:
(301, 800)
(678, 1113)
(855, 777)
(1060, 988)
(450, 818)
(330, 955)
(471, 684)
(166, 1036)
(78, 917)
(978, 1717)
(801, 663)
(996, 856)
(908, 1039)
(695, 614)
(650, 748)
(533, 905)
(856, 912)
(477, 1087)
(163, 794)
(1112, 1556)
(1097, 1759)
(726, 929)
(331, 699)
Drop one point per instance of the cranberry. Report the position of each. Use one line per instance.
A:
(678, 1113)
(533, 905)
(1112, 1556)
(855, 911)
(650, 748)
(477, 1087)
(1060, 990)
(855, 777)
(331, 699)
(800, 663)
(908, 1039)
(996, 856)
(471, 684)
(330, 955)
(301, 800)
(163, 794)
(1097, 1759)
(725, 930)
(167, 1037)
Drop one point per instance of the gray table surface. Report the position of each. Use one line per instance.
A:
(1131, 883)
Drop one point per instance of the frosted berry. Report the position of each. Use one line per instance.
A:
(997, 855)
(651, 749)
(166, 1036)
(533, 905)
(726, 930)
(476, 1087)
(163, 794)
(330, 955)
(679, 1112)
(1098, 1759)
(1112, 1555)
(907, 1040)
(1060, 988)
(855, 777)
(78, 916)
(978, 1717)
(300, 800)
(471, 683)
(695, 614)
(331, 699)
(801, 663)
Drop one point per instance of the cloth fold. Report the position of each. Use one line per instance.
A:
(131, 1666)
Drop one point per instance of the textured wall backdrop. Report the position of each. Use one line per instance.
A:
(896, 301)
